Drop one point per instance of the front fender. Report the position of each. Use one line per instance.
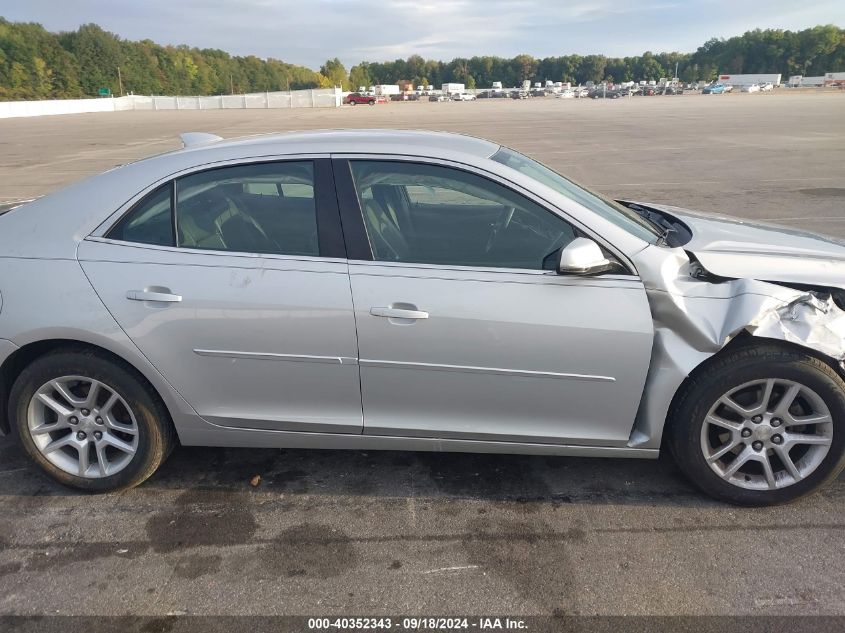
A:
(7, 348)
(695, 318)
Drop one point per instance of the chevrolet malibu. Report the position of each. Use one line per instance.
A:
(412, 291)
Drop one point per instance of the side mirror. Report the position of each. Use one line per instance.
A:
(582, 256)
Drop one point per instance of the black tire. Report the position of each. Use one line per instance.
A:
(156, 436)
(734, 368)
(371, 102)
(353, 103)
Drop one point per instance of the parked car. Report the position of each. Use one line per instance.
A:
(566, 93)
(767, 87)
(438, 98)
(519, 94)
(751, 88)
(602, 93)
(715, 89)
(463, 96)
(404, 291)
(354, 98)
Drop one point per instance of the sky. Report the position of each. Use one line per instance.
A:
(308, 32)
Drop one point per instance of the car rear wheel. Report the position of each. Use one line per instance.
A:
(761, 425)
(89, 422)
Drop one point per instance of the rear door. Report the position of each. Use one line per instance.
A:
(234, 283)
(465, 331)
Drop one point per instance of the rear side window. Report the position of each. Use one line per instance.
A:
(257, 208)
(149, 222)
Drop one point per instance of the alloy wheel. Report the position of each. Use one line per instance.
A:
(767, 434)
(83, 426)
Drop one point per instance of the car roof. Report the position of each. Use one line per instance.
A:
(413, 142)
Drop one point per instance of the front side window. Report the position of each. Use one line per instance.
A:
(257, 208)
(429, 214)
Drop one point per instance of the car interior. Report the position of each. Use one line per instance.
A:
(428, 215)
(413, 217)
(236, 209)
(240, 216)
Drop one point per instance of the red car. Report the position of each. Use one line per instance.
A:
(354, 98)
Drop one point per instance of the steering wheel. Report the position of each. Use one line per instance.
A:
(502, 223)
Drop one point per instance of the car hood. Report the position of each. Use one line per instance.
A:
(733, 247)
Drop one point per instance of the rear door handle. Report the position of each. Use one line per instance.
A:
(398, 313)
(149, 295)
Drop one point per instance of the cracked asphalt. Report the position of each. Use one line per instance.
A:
(362, 533)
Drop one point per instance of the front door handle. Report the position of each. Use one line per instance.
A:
(150, 295)
(398, 313)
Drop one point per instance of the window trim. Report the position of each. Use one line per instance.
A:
(353, 213)
(174, 218)
(331, 244)
(351, 216)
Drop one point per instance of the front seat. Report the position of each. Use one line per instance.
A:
(241, 234)
(385, 237)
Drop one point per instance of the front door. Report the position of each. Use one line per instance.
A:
(466, 332)
(239, 303)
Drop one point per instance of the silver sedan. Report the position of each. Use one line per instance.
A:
(413, 291)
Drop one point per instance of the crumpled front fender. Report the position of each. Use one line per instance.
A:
(694, 318)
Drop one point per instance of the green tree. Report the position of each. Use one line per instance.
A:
(359, 76)
(335, 72)
(37, 64)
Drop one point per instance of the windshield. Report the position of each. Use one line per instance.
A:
(608, 209)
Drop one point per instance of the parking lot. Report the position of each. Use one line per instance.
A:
(425, 533)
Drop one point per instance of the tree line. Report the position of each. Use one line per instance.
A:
(812, 51)
(38, 64)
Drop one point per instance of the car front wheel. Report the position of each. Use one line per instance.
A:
(760, 425)
(90, 422)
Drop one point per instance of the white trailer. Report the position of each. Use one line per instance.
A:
(800, 81)
(385, 90)
(450, 89)
(834, 80)
(497, 86)
(738, 81)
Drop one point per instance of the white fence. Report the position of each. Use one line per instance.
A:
(318, 98)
